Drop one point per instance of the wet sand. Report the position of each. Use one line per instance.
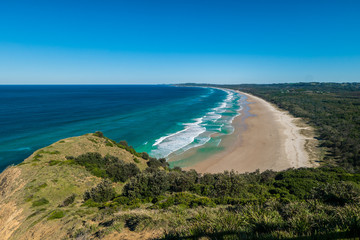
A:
(264, 138)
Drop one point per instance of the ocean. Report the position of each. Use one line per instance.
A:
(162, 120)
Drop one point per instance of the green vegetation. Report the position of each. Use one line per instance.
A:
(56, 215)
(103, 192)
(293, 203)
(40, 202)
(69, 200)
(54, 162)
(107, 167)
(98, 134)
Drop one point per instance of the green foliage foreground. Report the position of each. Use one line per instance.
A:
(293, 203)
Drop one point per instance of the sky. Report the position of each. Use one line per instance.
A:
(178, 41)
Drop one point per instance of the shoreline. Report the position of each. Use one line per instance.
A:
(264, 138)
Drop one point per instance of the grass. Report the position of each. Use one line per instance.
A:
(54, 162)
(36, 213)
(37, 157)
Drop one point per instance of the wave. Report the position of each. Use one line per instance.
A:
(173, 142)
(198, 133)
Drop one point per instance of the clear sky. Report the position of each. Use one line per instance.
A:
(171, 41)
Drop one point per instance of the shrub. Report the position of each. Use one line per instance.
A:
(54, 162)
(180, 181)
(339, 193)
(144, 155)
(109, 166)
(40, 202)
(153, 163)
(120, 171)
(163, 162)
(91, 203)
(98, 134)
(156, 163)
(146, 185)
(103, 192)
(202, 201)
(122, 200)
(69, 200)
(56, 215)
(124, 143)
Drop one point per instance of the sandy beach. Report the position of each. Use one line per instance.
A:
(264, 138)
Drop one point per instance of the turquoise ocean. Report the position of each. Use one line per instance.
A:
(161, 120)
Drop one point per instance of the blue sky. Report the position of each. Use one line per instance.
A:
(145, 42)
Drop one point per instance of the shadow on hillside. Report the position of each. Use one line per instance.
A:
(232, 235)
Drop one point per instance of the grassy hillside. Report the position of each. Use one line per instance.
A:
(32, 191)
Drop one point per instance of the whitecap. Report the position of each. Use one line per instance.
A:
(198, 132)
(174, 142)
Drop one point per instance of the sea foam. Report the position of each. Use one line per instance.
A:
(198, 131)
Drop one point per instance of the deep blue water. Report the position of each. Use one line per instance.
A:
(156, 119)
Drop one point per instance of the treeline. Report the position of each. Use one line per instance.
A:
(332, 108)
(326, 184)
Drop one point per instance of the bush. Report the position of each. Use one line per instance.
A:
(153, 163)
(202, 201)
(145, 156)
(122, 200)
(98, 134)
(339, 193)
(107, 167)
(124, 143)
(69, 200)
(103, 192)
(180, 181)
(54, 162)
(56, 215)
(40, 202)
(119, 171)
(163, 162)
(156, 163)
(146, 185)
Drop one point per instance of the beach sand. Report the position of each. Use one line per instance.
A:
(264, 138)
